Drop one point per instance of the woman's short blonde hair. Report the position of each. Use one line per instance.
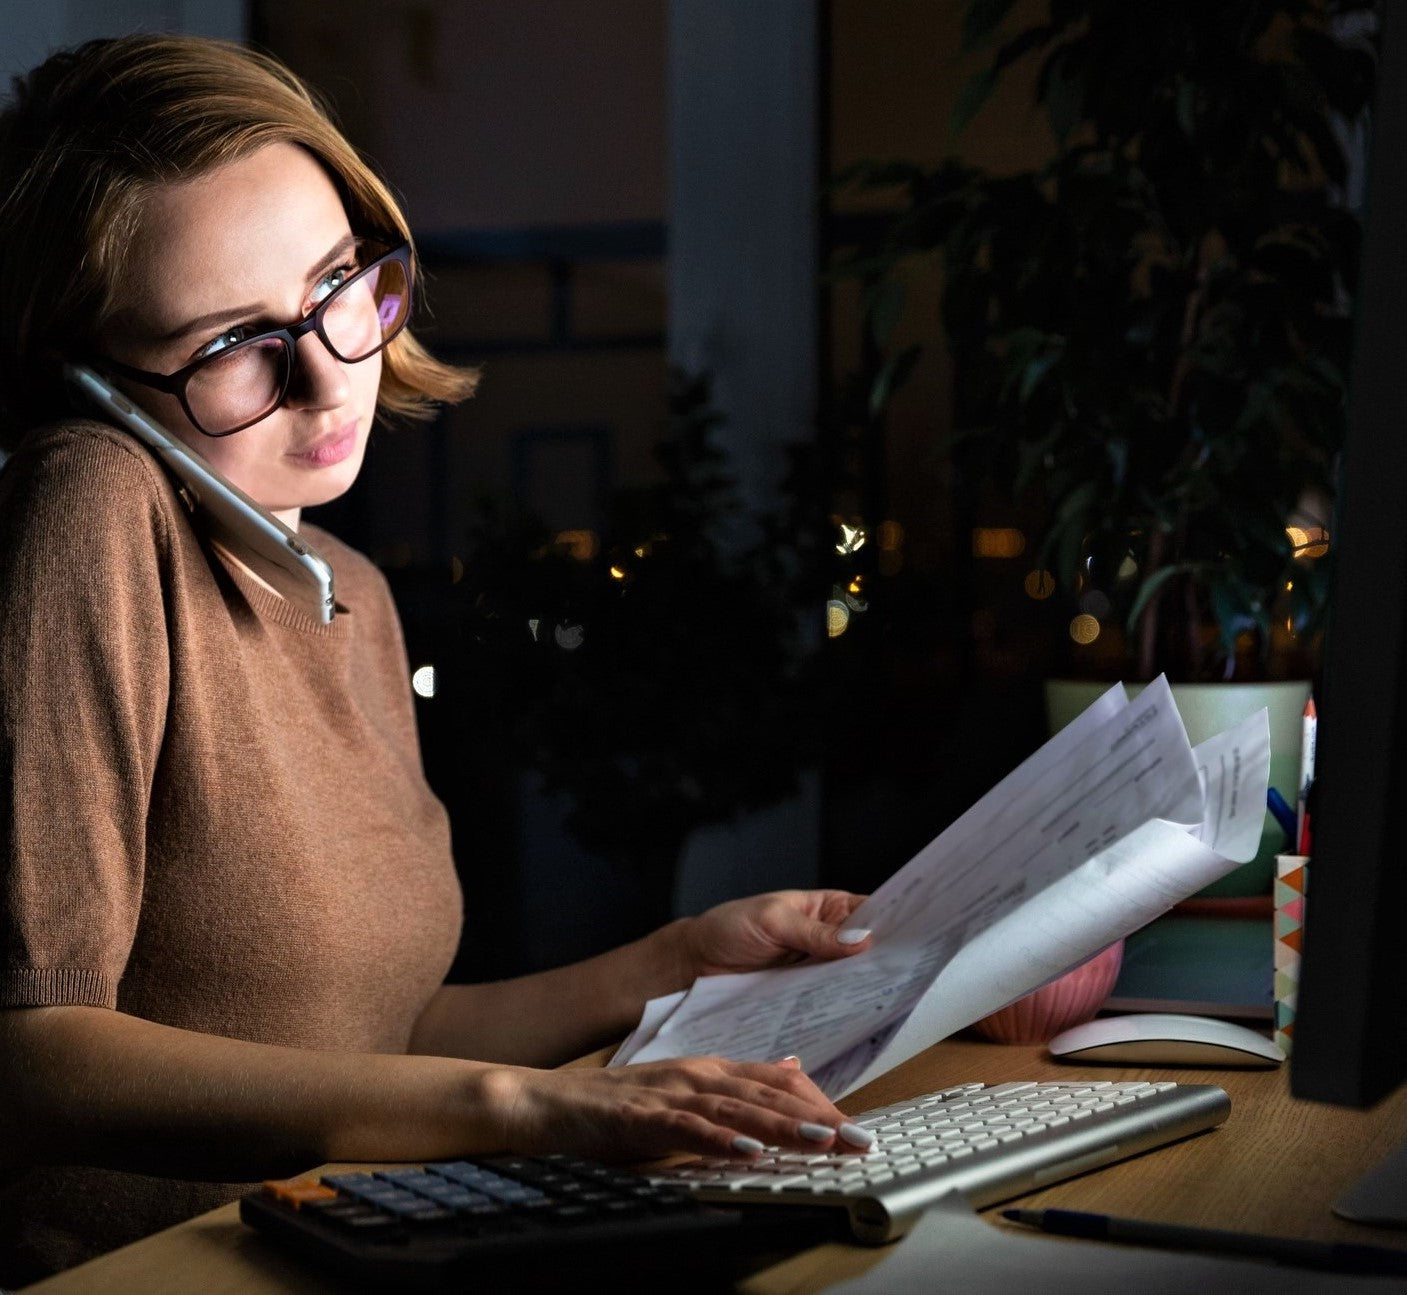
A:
(88, 136)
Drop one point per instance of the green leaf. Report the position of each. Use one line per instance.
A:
(892, 375)
(971, 98)
(1038, 367)
(1149, 589)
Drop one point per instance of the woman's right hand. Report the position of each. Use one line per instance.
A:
(700, 1104)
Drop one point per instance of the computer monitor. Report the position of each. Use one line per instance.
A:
(1350, 1029)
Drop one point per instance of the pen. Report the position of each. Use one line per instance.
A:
(1338, 1255)
(1308, 736)
(1281, 812)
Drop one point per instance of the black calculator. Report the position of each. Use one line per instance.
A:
(511, 1223)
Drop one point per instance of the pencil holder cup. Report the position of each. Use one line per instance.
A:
(1071, 999)
(1291, 882)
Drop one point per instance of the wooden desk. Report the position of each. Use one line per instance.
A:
(1274, 1167)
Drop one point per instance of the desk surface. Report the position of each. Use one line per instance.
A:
(1274, 1167)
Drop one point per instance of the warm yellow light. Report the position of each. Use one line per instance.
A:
(617, 573)
(1039, 584)
(1308, 541)
(852, 539)
(582, 545)
(456, 570)
(1084, 628)
(837, 618)
(856, 585)
(997, 542)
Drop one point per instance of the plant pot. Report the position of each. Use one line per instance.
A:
(1207, 709)
(1071, 999)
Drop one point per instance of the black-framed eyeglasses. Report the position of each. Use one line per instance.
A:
(233, 388)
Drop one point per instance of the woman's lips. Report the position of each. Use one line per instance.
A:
(331, 449)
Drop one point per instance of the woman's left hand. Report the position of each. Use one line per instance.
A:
(773, 929)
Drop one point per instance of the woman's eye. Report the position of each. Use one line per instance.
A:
(331, 281)
(229, 337)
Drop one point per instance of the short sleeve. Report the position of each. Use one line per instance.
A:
(84, 672)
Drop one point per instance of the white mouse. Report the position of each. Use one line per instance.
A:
(1165, 1039)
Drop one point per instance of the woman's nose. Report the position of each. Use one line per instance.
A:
(319, 378)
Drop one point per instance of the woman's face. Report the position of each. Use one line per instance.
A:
(255, 244)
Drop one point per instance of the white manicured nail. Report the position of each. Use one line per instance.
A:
(748, 1146)
(854, 936)
(856, 1136)
(816, 1132)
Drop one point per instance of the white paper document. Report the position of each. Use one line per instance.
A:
(1109, 824)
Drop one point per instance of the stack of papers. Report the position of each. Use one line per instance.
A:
(1112, 822)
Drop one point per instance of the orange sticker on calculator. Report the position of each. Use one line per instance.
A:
(297, 1191)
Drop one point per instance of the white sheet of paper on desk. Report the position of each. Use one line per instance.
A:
(976, 1258)
(1102, 822)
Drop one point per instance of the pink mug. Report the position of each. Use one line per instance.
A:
(1071, 999)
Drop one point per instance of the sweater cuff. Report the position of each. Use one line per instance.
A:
(56, 986)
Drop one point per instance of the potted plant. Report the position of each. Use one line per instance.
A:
(653, 676)
(1150, 331)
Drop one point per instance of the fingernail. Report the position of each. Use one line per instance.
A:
(748, 1146)
(793, 1060)
(816, 1132)
(856, 1136)
(855, 935)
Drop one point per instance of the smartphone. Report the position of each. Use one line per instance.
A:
(252, 533)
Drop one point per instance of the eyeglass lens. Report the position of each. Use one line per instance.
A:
(248, 380)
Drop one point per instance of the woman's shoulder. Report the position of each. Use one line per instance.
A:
(83, 466)
(86, 517)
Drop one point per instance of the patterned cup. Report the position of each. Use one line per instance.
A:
(1071, 999)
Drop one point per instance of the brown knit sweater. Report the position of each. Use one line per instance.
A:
(214, 810)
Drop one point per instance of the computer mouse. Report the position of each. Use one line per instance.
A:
(1165, 1039)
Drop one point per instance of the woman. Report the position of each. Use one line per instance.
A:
(228, 902)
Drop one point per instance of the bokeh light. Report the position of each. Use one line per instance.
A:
(1308, 541)
(569, 636)
(997, 542)
(1039, 584)
(852, 539)
(582, 545)
(1084, 629)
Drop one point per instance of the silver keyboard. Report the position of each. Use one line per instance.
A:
(989, 1143)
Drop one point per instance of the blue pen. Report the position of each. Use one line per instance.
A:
(1283, 814)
